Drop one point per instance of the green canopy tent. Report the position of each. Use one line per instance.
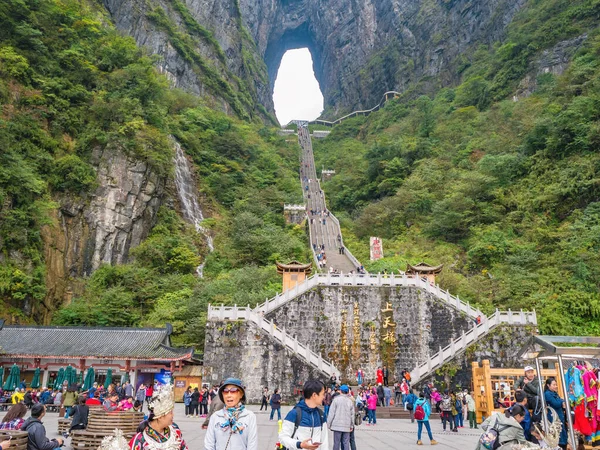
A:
(108, 380)
(13, 379)
(89, 379)
(35, 383)
(60, 378)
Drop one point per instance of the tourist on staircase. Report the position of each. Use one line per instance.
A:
(422, 413)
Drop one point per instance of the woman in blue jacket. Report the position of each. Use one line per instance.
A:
(554, 401)
(423, 403)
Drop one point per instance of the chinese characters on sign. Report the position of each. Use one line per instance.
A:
(356, 333)
(389, 327)
(376, 248)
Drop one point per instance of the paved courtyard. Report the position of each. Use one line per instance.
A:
(387, 434)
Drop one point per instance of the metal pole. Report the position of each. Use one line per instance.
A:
(541, 395)
(567, 404)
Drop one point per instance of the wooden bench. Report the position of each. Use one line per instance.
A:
(63, 425)
(102, 424)
(18, 439)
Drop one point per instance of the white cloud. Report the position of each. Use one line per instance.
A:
(297, 94)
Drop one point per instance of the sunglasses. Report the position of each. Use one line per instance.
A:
(232, 390)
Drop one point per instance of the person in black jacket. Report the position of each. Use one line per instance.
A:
(80, 415)
(275, 402)
(37, 439)
(195, 402)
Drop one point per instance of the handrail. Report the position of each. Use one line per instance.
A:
(369, 279)
(246, 313)
(444, 354)
(384, 99)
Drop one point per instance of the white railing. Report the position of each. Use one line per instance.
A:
(365, 112)
(235, 313)
(457, 345)
(368, 279)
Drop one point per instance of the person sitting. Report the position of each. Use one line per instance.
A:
(80, 416)
(13, 420)
(508, 426)
(126, 404)
(37, 439)
(111, 403)
(95, 400)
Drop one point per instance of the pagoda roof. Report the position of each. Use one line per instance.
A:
(294, 266)
(148, 344)
(423, 268)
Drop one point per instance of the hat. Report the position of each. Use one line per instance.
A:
(234, 382)
(344, 388)
(528, 368)
(162, 401)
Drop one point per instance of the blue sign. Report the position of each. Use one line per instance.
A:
(164, 377)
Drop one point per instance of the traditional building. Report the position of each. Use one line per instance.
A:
(424, 270)
(142, 353)
(294, 214)
(293, 273)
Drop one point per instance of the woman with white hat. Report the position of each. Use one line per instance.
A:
(233, 427)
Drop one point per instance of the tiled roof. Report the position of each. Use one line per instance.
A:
(84, 342)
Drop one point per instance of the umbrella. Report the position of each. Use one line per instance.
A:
(108, 378)
(89, 379)
(1, 375)
(60, 377)
(35, 383)
(70, 375)
(13, 378)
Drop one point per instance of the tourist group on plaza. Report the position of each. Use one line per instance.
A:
(323, 406)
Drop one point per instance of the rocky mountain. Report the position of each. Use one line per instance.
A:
(360, 49)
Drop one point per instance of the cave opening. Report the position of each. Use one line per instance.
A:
(296, 91)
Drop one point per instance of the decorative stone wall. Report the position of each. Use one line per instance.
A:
(325, 320)
(240, 349)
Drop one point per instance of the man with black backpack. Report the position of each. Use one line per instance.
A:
(304, 426)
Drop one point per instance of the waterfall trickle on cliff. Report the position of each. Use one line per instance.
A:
(187, 192)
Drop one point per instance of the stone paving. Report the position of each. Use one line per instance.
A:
(387, 434)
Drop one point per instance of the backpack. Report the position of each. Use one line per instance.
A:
(357, 418)
(490, 439)
(446, 405)
(419, 412)
(299, 420)
(458, 405)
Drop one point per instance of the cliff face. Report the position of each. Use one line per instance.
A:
(360, 49)
(99, 229)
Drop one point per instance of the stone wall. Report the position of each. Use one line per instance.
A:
(240, 349)
(501, 348)
(423, 324)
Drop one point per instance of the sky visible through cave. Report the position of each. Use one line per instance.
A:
(296, 94)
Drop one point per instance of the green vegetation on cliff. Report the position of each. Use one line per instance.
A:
(69, 85)
(505, 193)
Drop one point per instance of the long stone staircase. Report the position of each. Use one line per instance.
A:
(324, 227)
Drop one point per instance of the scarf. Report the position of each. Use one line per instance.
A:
(231, 422)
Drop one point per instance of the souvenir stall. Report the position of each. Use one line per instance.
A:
(575, 357)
